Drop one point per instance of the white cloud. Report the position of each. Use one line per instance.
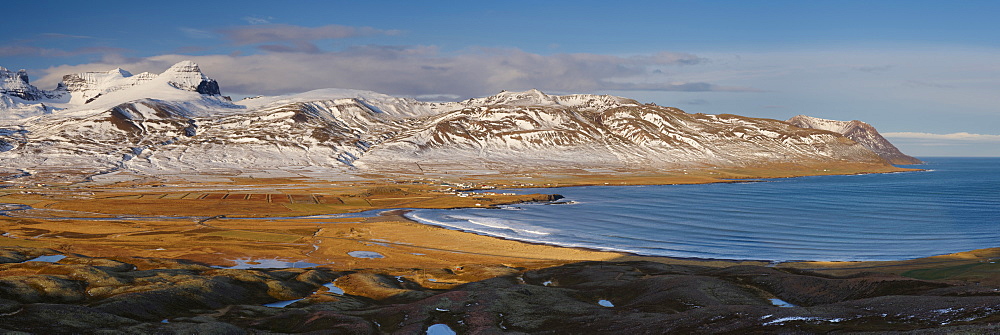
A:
(258, 19)
(954, 144)
(420, 70)
(946, 137)
(935, 89)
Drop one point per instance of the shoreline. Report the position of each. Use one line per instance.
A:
(989, 255)
(698, 178)
(400, 214)
(296, 234)
(773, 262)
(490, 249)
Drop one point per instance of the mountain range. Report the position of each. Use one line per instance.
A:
(179, 121)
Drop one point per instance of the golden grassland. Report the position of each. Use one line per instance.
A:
(220, 220)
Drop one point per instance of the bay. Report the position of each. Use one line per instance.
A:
(954, 206)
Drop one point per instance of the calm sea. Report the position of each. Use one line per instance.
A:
(952, 207)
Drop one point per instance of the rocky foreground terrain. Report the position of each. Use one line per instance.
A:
(79, 294)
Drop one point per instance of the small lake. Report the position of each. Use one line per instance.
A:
(952, 207)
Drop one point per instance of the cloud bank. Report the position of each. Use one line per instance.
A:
(954, 144)
(270, 58)
(414, 70)
(947, 137)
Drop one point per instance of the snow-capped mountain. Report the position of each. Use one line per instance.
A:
(86, 87)
(178, 121)
(183, 85)
(629, 135)
(15, 84)
(534, 97)
(378, 103)
(857, 131)
(18, 98)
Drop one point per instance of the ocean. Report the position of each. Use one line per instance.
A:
(953, 206)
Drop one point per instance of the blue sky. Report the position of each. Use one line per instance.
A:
(925, 72)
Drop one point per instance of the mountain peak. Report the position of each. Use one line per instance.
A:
(535, 97)
(87, 86)
(120, 72)
(8, 75)
(184, 66)
(533, 91)
(17, 84)
(186, 75)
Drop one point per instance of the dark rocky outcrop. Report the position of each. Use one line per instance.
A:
(209, 87)
(142, 295)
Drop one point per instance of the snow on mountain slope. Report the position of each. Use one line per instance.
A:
(187, 76)
(14, 109)
(647, 136)
(16, 84)
(182, 85)
(380, 103)
(98, 120)
(535, 97)
(85, 87)
(177, 121)
(18, 98)
(153, 136)
(89, 86)
(860, 132)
